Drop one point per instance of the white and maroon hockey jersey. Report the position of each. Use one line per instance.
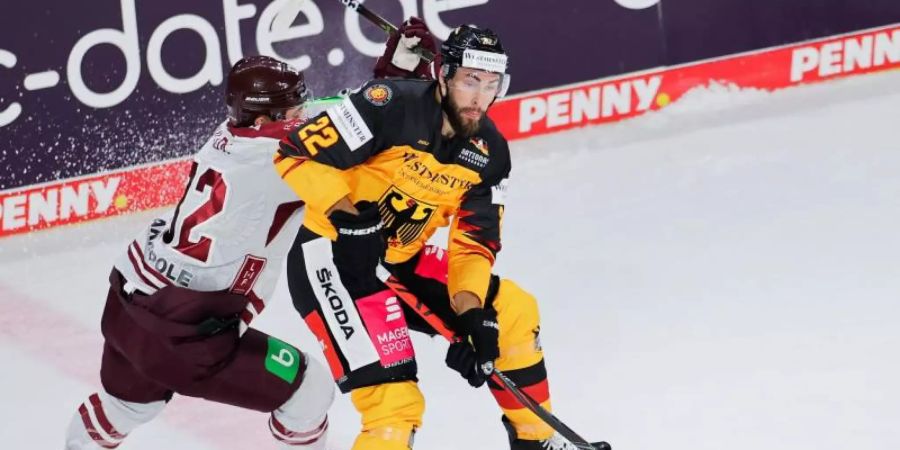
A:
(232, 228)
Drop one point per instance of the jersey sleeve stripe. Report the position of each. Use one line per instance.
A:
(138, 269)
(247, 316)
(149, 269)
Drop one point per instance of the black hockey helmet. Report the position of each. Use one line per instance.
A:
(261, 85)
(477, 48)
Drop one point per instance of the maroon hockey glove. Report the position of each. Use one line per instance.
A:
(399, 60)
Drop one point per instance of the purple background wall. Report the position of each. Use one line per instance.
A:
(59, 134)
(700, 29)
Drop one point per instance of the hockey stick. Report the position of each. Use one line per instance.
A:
(324, 101)
(382, 23)
(498, 376)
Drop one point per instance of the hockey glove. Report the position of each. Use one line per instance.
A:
(399, 60)
(359, 248)
(461, 358)
(475, 360)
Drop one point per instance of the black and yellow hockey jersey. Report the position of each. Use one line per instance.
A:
(383, 144)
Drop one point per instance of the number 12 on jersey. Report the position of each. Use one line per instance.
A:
(213, 204)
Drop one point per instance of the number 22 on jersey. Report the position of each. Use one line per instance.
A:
(318, 135)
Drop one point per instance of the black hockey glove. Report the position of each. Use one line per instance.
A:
(359, 248)
(461, 358)
(474, 358)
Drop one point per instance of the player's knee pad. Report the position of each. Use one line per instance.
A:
(391, 413)
(302, 421)
(519, 321)
(103, 421)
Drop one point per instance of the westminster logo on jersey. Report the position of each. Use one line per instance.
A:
(404, 217)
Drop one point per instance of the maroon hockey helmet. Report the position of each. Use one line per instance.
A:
(261, 85)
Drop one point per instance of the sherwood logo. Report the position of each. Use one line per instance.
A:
(57, 204)
(581, 105)
(845, 56)
(335, 301)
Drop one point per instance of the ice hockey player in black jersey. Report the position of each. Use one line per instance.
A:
(379, 173)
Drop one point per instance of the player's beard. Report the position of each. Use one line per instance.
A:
(463, 126)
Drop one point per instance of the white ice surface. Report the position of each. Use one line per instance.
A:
(722, 275)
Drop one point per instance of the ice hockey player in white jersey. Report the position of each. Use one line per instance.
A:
(183, 294)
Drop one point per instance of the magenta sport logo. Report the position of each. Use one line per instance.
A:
(387, 328)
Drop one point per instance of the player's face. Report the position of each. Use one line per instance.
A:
(294, 113)
(471, 93)
(288, 114)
